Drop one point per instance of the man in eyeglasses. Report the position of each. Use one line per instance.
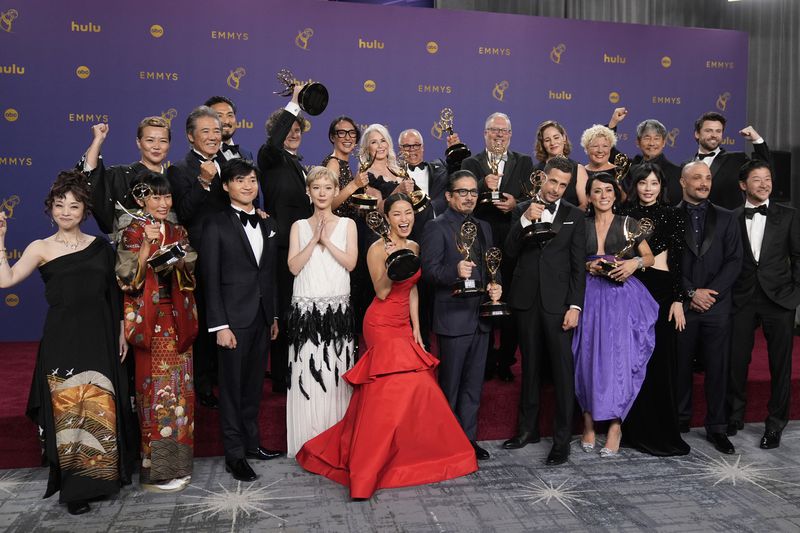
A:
(513, 169)
(463, 337)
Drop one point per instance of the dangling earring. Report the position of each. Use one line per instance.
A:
(52, 222)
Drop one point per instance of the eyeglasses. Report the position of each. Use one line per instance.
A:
(411, 147)
(463, 193)
(346, 133)
(499, 131)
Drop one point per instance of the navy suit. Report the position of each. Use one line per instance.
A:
(239, 293)
(714, 263)
(463, 337)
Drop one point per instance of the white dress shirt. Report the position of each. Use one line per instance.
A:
(755, 230)
(421, 177)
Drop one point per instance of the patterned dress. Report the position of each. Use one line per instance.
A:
(161, 324)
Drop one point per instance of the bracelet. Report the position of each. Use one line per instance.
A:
(640, 262)
(204, 183)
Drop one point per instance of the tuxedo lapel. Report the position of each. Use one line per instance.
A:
(709, 229)
(770, 229)
(718, 161)
(748, 249)
(298, 169)
(508, 169)
(688, 236)
(558, 221)
(239, 229)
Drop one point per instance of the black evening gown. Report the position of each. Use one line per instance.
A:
(78, 396)
(652, 423)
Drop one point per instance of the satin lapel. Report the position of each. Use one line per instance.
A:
(483, 159)
(298, 169)
(508, 170)
(239, 229)
(688, 236)
(262, 224)
(709, 230)
(748, 249)
(558, 221)
(718, 162)
(770, 228)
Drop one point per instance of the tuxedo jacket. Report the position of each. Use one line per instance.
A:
(283, 184)
(516, 181)
(778, 268)
(672, 175)
(439, 257)
(725, 190)
(191, 201)
(716, 262)
(556, 270)
(438, 174)
(234, 284)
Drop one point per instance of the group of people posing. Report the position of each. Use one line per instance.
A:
(620, 276)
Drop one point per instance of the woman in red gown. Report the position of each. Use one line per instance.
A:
(398, 429)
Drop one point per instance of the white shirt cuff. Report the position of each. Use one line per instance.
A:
(292, 108)
(575, 307)
(524, 222)
(760, 140)
(218, 328)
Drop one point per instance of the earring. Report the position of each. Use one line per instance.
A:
(52, 222)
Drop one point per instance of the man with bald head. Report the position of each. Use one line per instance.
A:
(710, 265)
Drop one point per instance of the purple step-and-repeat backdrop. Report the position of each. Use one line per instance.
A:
(67, 65)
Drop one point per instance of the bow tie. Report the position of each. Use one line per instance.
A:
(422, 166)
(551, 208)
(232, 148)
(699, 208)
(245, 218)
(203, 158)
(698, 155)
(750, 211)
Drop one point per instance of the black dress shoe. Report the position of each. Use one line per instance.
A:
(78, 507)
(505, 374)
(721, 442)
(262, 454)
(208, 400)
(240, 470)
(770, 440)
(480, 453)
(520, 441)
(733, 427)
(683, 427)
(557, 456)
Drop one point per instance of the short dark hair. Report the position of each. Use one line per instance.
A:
(153, 122)
(342, 118)
(198, 112)
(394, 198)
(273, 120)
(751, 165)
(640, 172)
(709, 115)
(561, 163)
(69, 181)
(158, 183)
(220, 100)
(604, 177)
(236, 168)
(457, 175)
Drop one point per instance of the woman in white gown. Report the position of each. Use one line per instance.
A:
(322, 251)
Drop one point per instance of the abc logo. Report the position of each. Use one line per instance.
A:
(156, 31)
(83, 72)
(432, 47)
(613, 97)
(666, 61)
(369, 86)
(11, 114)
(12, 300)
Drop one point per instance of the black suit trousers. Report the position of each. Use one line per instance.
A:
(241, 377)
(204, 348)
(463, 359)
(540, 338)
(778, 325)
(280, 347)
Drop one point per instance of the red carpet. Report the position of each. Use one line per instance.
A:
(19, 445)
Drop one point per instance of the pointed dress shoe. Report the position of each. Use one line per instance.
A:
(262, 454)
(78, 507)
(721, 443)
(557, 456)
(770, 440)
(520, 441)
(733, 427)
(480, 453)
(240, 470)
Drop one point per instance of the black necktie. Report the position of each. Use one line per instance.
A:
(422, 166)
(750, 211)
(232, 148)
(245, 218)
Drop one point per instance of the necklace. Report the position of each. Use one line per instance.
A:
(68, 245)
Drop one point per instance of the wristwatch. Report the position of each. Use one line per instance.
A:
(690, 293)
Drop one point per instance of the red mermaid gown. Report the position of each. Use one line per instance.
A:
(398, 429)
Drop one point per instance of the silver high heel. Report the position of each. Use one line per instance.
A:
(587, 447)
(608, 452)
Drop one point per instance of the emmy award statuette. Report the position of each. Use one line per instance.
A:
(464, 240)
(419, 200)
(458, 152)
(361, 199)
(313, 98)
(401, 264)
(494, 157)
(493, 308)
(633, 230)
(623, 165)
(538, 231)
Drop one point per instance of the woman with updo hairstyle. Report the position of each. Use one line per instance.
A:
(79, 397)
(160, 322)
(344, 135)
(399, 429)
(598, 142)
(552, 141)
(322, 251)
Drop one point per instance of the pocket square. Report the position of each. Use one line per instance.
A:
(568, 222)
(271, 234)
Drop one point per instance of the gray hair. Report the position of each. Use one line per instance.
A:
(410, 130)
(494, 116)
(650, 125)
(198, 112)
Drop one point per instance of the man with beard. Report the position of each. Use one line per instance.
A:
(226, 111)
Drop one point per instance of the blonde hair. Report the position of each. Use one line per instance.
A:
(597, 131)
(363, 148)
(321, 173)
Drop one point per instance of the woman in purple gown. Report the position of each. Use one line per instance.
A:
(616, 334)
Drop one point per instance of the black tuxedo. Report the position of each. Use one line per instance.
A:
(463, 337)
(516, 181)
(672, 175)
(283, 187)
(715, 264)
(547, 280)
(766, 293)
(242, 153)
(239, 293)
(725, 175)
